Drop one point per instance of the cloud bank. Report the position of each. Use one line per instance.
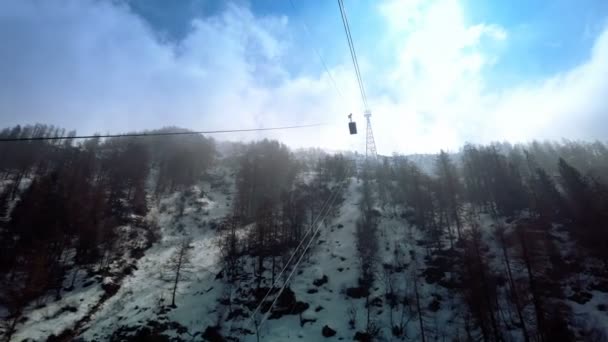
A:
(99, 67)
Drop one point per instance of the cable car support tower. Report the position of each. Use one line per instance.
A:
(370, 144)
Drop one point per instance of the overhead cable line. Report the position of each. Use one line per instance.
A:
(353, 53)
(152, 134)
(312, 238)
(309, 33)
(295, 252)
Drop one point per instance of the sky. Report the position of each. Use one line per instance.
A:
(437, 73)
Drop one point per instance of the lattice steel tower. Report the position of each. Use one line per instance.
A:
(370, 144)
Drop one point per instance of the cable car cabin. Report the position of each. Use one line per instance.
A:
(352, 126)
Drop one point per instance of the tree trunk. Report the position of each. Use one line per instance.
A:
(273, 266)
(11, 329)
(260, 269)
(532, 282)
(457, 219)
(419, 309)
(177, 271)
(486, 291)
(518, 307)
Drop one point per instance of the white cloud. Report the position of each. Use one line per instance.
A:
(97, 66)
(437, 77)
(570, 104)
(443, 98)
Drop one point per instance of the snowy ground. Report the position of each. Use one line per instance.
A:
(143, 292)
(142, 295)
(332, 256)
(56, 316)
(335, 256)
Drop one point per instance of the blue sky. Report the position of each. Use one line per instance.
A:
(546, 36)
(438, 73)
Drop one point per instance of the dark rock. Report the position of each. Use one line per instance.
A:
(397, 331)
(318, 308)
(433, 275)
(88, 283)
(581, 297)
(377, 302)
(601, 285)
(328, 332)
(319, 282)
(110, 288)
(286, 305)
(362, 336)
(137, 253)
(129, 270)
(144, 334)
(435, 305)
(357, 292)
(392, 299)
(180, 329)
(312, 291)
(299, 308)
(304, 321)
(69, 308)
(67, 334)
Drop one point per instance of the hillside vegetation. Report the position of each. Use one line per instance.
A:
(181, 238)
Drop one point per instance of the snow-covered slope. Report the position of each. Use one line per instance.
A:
(326, 281)
(333, 256)
(142, 293)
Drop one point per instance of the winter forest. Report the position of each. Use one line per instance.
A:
(188, 238)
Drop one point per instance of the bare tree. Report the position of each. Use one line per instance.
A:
(414, 275)
(500, 237)
(230, 245)
(179, 265)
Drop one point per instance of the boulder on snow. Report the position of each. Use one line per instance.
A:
(286, 305)
(435, 305)
(362, 336)
(220, 275)
(320, 281)
(377, 302)
(327, 331)
(109, 286)
(357, 292)
(212, 334)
